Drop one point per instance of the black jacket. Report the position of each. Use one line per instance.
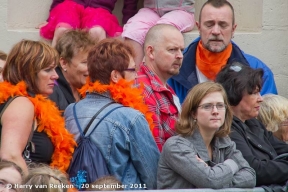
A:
(259, 147)
(62, 94)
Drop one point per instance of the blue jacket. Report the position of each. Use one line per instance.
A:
(187, 78)
(123, 137)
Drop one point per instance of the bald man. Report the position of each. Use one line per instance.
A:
(163, 48)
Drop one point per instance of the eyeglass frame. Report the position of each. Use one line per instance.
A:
(212, 106)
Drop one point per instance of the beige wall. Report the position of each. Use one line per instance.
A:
(262, 29)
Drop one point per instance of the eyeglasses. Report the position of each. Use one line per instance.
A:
(210, 106)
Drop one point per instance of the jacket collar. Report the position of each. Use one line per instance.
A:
(64, 86)
(198, 143)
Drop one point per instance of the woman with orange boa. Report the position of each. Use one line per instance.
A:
(124, 137)
(26, 113)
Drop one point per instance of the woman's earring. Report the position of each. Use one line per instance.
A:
(195, 120)
(65, 70)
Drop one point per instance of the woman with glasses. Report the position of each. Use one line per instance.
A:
(124, 136)
(258, 146)
(202, 155)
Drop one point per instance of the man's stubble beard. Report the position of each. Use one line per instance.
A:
(208, 47)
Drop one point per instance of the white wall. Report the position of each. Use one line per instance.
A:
(262, 29)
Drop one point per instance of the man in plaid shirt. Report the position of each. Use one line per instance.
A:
(163, 48)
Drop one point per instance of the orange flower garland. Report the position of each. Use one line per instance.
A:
(121, 92)
(49, 120)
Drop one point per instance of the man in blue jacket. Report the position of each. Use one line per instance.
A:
(205, 57)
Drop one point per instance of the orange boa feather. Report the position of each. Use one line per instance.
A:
(121, 92)
(49, 120)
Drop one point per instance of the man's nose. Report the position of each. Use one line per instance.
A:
(216, 30)
(179, 54)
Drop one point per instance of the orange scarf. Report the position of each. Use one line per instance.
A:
(121, 92)
(210, 63)
(49, 120)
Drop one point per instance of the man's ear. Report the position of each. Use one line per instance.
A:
(198, 25)
(115, 76)
(149, 52)
(233, 29)
(63, 63)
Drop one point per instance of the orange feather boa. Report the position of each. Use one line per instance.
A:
(121, 92)
(49, 120)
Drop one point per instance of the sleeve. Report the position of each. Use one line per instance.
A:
(179, 153)
(267, 171)
(129, 10)
(144, 152)
(246, 176)
(269, 85)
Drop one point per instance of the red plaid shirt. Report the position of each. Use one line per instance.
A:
(160, 101)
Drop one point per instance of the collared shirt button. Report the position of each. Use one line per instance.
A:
(259, 145)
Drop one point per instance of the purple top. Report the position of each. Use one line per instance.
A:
(129, 8)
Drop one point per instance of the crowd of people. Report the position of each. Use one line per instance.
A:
(161, 116)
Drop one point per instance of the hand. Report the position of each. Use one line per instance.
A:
(200, 160)
(41, 25)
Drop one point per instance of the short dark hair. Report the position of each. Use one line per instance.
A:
(237, 79)
(218, 4)
(106, 56)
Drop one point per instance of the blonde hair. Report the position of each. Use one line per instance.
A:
(186, 125)
(273, 111)
(45, 176)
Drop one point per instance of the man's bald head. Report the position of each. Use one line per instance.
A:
(157, 33)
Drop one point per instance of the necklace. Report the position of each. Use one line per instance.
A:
(49, 120)
(121, 92)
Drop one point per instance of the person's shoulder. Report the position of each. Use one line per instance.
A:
(68, 112)
(22, 102)
(224, 141)
(176, 141)
(253, 61)
(128, 112)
